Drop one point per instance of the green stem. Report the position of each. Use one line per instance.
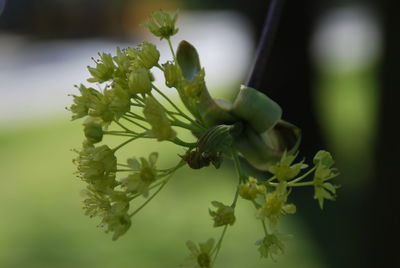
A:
(181, 124)
(264, 228)
(158, 190)
(174, 105)
(302, 176)
(218, 246)
(125, 142)
(180, 142)
(136, 123)
(123, 127)
(238, 166)
(172, 49)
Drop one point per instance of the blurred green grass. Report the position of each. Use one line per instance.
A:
(43, 225)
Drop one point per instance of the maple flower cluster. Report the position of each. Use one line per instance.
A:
(250, 128)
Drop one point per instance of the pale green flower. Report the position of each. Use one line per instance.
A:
(224, 215)
(95, 163)
(156, 116)
(251, 189)
(200, 256)
(275, 205)
(144, 175)
(322, 189)
(161, 24)
(284, 170)
(104, 69)
(270, 245)
(139, 81)
(172, 74)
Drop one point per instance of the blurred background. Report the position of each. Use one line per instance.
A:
(332, 69)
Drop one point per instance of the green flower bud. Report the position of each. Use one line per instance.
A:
(139, 82)
(172, 74)
(251, 189)
(104, 69)
(123, 63)
(161, 24)
(118, 101)
(223, 216)
(156, 116)
(93, 130)
(148, 55)
(82, 103)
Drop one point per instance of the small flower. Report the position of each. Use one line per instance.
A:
(161, 24)
(223, 216)
(95, 163)
(251, 189)
(118, 102)
(104, 69)
(284, 170)
(139, 81)
(148, 55)
(112, 208)
(156, 116)
(123, 63)
(172, 74)
(270, 245)
(93, 130)
(145, 174)
(275, 205)
(82, 103)
(200, 257)
(324, 190)
(117, 219)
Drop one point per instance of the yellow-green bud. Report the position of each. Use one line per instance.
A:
(161, 24)
(104, 69)
(119, 101)
(251, 189)
(148, 55)
(93, 130)
(224, 214)
(155, 115)
(139, 82)
(172, 74)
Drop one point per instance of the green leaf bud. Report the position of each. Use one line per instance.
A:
(224, 215)
(172, 74)
(156, 116)
(161, 24)
(93, 130)
(139, 82)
